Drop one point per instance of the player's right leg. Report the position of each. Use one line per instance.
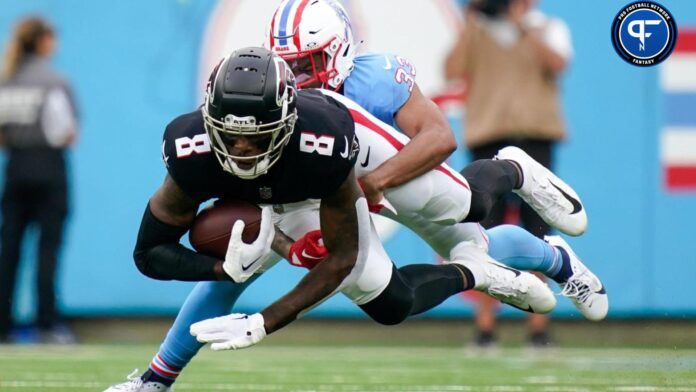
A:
(208, 300)
(554, 258)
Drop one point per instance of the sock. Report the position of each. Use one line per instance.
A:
(468, 280)
(475, 274)
(519, 249)
(563, 271)
(161, 372)
(520, 173)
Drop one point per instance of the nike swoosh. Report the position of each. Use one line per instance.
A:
(517, 273)
(387, 64)
(601, 291)
(577, 207)
(367, 158)
(305, 255)
(529, 308)
(344, 154)
(246, 267)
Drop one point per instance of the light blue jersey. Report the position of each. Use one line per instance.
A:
(381, 83)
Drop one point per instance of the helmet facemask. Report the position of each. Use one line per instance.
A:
(271, 138)
(316, 67)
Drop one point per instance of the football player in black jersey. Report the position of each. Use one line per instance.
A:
(270, 144)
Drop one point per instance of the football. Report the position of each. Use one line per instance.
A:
(210, 232)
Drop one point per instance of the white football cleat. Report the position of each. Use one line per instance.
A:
(135, 384)
(555, 201)
(519, 289)
(583, 288)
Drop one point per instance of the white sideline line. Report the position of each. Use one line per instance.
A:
(344, 387)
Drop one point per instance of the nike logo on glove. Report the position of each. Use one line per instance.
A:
(246, 267)
(305, 255)
(577, 207)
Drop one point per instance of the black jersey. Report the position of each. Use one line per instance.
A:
(319, 156)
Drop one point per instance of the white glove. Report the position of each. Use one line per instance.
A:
(233, 331)
(243, 260)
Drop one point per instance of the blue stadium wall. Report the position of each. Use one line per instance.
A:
(134, 63)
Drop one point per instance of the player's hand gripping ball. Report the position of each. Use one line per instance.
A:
(245, 247)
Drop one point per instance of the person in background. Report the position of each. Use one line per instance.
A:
(37, 125)
(511, 56)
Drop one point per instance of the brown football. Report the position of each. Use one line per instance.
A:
(210, 233)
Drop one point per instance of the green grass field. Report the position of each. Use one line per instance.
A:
(271, 367)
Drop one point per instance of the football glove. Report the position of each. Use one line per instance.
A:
(234, 331)
(243, 260)
(308, 251)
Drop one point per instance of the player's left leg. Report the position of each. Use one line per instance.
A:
(554, 200)
(483, 182)
(389, 295)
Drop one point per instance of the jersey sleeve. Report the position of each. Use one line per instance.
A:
(186, 154)
(404, 80)
(381, 83)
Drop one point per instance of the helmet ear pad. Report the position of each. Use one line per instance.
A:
(250, 93)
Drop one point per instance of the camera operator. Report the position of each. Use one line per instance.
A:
(511, 55)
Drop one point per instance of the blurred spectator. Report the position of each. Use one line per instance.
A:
(511, 56)
(37, 124)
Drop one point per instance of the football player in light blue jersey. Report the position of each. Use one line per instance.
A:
(316, 39)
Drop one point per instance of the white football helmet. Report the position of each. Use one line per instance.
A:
(316, 39)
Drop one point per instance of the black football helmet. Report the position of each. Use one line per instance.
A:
(251, 93)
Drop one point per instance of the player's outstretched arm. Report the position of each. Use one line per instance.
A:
(339, 226)
(432, 142)
(158, 253)
(341, 231)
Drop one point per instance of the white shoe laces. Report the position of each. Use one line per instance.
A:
(134, 382)
(578, 288)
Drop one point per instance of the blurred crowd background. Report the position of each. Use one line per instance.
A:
(135, 65)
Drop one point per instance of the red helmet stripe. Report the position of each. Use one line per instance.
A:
(272, 33)
(296, 22)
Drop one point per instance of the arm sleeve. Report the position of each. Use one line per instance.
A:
(58, 119)
(159, 255)
(557, 37)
